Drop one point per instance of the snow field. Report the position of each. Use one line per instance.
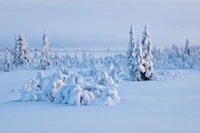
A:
(146, 107)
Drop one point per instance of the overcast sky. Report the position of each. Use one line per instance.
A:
(99, 23)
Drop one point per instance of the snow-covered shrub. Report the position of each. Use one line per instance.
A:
(75, 91)
(163, 75)
(104, 96)
(54, 87)
(104, 79)
(74, 95)
(115, 76)
(32, 92)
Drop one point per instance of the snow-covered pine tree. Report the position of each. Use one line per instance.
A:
(85, 61)
(21, 51)
(44, 61)
(16, 48)
(45, 48)
(147, 54)
(187, 47)
(6, 62)
(146, 40)
(67, 61)
(131, 47)
(138, 70)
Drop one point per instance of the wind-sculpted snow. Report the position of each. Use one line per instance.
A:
(71, 89)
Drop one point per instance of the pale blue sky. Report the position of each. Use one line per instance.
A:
(105, 23)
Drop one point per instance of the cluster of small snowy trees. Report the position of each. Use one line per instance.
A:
(139, 57)
(137, 65)
(19, 57)
(177, 58)
(71, 89)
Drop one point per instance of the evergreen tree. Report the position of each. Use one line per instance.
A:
(147, 54)
(85, 61)
(45, 48)
(44, 61)
(21, 51)
(138, 70)
(131, 47)
(6, 62)
(187, 47)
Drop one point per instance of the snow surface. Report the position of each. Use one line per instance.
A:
(146, 107)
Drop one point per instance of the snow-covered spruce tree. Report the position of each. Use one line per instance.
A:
(67, 61)
(147, 54)
(44, 61)
(21, 51)
(6, 62)
(131, 47)
(187, 47)
(137, 72)
(45, 48)
(85, 61)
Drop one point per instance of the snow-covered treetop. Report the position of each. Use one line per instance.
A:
(187, 42)
(146, 32)
(45, 36)
(21, 37)
(45, 39)
(132, 36)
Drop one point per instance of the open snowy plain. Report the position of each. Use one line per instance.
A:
(146, 107)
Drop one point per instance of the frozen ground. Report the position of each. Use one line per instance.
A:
(146, 107)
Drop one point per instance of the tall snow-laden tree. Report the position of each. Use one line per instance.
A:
(85, 61)
(146, 40)
(45, 48)
(147, 54)
(44, 61)
(131, 47)
(21, 51)
(138, 70)
(187, 47)
(6, 62)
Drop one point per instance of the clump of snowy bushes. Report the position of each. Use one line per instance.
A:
(164, 75)
(71, 89)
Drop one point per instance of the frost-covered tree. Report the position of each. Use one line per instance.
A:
(6, 62)
(187, 47)
(147, 54)
(44, 61)
(137, 72)
(21, 51)
(146, 41)
(85, 61)
(131, 47)
(104, 79)
(174, 52)
(67, 61)
(56, 59)
(45, 48)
